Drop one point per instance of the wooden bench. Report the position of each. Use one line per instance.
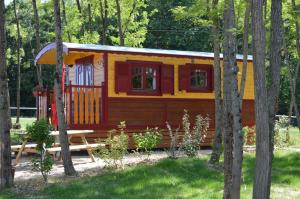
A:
(87, 147)
(16, 148)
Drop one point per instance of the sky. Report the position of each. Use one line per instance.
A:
(6, 2)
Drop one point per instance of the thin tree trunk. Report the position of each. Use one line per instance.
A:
(262, 166)
(294, 82)
(63, 137)
(245, 51)
(103, 14)
(65, 19)
(78, 6)
(229, 62)
(232, 69)
(217, 144)
(18, 62)
(6, 179)
(121, 35)
(90, 17)
(38, 41)
(275, 65)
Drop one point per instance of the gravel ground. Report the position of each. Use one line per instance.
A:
(83, 165)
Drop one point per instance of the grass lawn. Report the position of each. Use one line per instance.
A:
(24, 121)
(181, 178)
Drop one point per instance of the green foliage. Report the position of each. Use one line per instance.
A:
(148, 140)
(249, 136)
(40, 133)
(115, 147)
(193, 137)
(281, 132)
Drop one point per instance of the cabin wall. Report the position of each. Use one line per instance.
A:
(176, 61)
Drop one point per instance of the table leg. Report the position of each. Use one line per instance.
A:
(88, 150)
(20, 152)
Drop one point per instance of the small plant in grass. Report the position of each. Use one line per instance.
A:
(172, 152)
(40, 133)
(249, 135)
(195, 135)
(281, 132)
(148, 140)
(115, 148)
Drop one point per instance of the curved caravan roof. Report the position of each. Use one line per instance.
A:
(48, 54)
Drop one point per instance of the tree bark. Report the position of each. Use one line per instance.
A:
(217, 144)
(63, 137)
(293, 83)
(6, 179)
(38, 41)
(103, 14)
(262, 166)
(245, 51)
(65, 19)
(121, 35)
(275, 65)
(18, 62)
(229, 63)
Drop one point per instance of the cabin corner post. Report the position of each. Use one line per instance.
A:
(105, 90)
(70, 105)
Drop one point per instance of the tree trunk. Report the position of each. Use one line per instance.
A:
(78, 6)
(121, 35)
(63, 137)
(217, 144)
(103, 14)
(18, 62)
(245, 52)
(293, 85)
(6, 179)
(38, 41)
(262, 166)
(275, 65)
(65, 19)
(229, 62)
(90, 17)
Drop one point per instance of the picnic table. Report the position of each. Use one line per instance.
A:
(25, 146)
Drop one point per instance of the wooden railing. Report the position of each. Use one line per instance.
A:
(83, 106)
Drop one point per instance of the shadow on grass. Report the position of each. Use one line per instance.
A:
(183, 178)
(285, 170)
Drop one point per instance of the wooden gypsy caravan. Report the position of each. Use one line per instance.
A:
(144, 87)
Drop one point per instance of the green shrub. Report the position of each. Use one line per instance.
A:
(40, 133)
(249, 136)
(148, 140)
(281, 132)
(193, 137)
(115, 148)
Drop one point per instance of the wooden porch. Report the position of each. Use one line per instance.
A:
(83, 106)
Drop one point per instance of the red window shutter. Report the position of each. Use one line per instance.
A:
(183, 77)
(122, 77)
(167, 78)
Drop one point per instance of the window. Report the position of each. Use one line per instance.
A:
(198, 79)
(144, 78)
(84, 71)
